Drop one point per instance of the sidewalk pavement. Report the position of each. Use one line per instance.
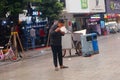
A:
(103, 66)
(30, 54)
(37, 52)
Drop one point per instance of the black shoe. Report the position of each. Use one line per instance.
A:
(63, 67)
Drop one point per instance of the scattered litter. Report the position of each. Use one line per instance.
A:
(69, 58)
(118, 37)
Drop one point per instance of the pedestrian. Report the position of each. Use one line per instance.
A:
(42, 35)
(56, 44)
(33, 36)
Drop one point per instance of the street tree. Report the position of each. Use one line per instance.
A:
(14, 8)
(50, 9)
(9, 10)
(3, 7)
(11, 7)
(32, 0)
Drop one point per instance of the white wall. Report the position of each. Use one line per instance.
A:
(74, 6)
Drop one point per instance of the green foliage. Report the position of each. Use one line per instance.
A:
(3, 7)
(32, 0)
(15, 7)
(12, 6)
(50, 9)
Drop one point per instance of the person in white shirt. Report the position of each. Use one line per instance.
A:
(33, 36)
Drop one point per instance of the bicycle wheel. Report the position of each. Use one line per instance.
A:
(13, 56)
(78, 48)
(2, 57)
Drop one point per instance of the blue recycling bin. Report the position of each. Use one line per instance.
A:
(89, 44)
(86, 45)
(95, 43)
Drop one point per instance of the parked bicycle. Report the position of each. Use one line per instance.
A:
(9, 53)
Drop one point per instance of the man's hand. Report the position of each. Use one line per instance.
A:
(57, 30)
(62, 32)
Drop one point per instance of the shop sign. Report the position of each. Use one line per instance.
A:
(92, 23)
(95, 16)
(22, 17)
(113, 6)
(94, 19)
(108, 16)
(36, 13)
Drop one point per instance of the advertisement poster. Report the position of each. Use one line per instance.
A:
(97, 6)
(102, 24)
(77, 6)
(84, 4)
(113, 6)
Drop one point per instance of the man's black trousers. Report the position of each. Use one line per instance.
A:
(57, 55)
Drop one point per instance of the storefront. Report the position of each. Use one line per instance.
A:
(94, 25)
(41, 30)
(112, 16)
(85, 13)
(112, 10)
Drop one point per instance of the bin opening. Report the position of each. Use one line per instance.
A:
(89, 38)
(94, 37)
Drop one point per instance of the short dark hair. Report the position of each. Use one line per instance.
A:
(61, 21)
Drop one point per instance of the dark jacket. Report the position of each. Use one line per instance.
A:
(55, 37)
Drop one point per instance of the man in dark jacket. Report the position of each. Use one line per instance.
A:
(56, 44)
